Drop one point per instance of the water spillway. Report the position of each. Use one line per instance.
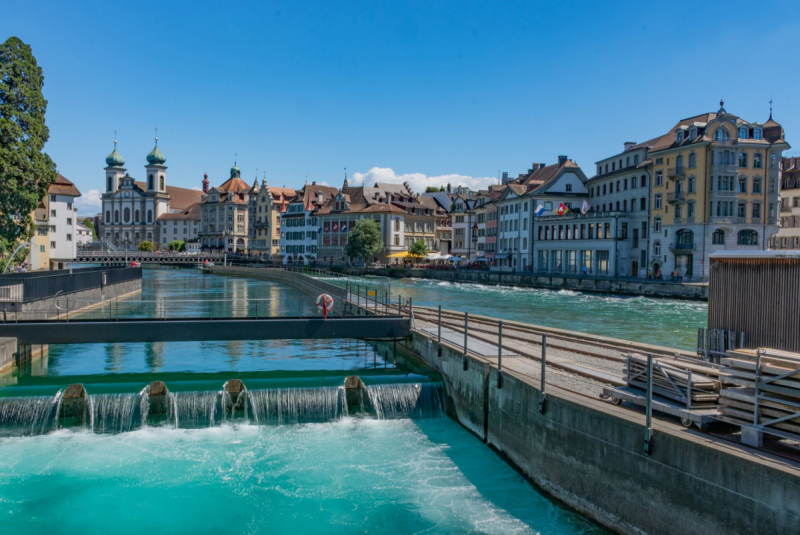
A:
(123, 412)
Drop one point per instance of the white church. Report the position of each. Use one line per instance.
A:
(131, 208)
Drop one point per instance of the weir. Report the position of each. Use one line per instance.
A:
(73, 407)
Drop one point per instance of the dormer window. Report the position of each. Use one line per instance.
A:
(756, 133)
(679, 136)
(743, 132)
(693, 132)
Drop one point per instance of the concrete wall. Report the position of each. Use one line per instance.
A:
(589, 454)
(8, 348)
(75, 302)
(580, 284)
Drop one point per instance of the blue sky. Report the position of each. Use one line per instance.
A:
(425, 91)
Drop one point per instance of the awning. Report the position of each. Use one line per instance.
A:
(501, 256)
(401, 254)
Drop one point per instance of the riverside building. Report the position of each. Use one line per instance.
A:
(224, 225)
(299, 225)
(715, 188)
(266, 204)
(788, 237)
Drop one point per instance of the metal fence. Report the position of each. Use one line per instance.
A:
(28, 287)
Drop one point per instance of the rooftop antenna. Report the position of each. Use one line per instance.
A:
(770, 107)
(115, 139)
(156, 136)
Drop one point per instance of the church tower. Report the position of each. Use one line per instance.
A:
(156, 170)
(114, 169)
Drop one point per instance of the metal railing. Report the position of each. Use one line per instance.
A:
(35, 286)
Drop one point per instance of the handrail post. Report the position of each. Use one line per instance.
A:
(500, 354)
(648, 430)
(466, 331)
(439, 351)
(410, 310)
(543, 375)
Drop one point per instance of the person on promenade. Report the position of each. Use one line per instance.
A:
(681, 274)
(649, 274)
(658, 274)
(584, 271)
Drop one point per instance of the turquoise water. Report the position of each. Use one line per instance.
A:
(664, 322)
(352, 476)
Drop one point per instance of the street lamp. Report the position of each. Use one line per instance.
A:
(474, 238)
(20, 246)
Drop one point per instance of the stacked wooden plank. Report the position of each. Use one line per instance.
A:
(738, 376)
(671, 379)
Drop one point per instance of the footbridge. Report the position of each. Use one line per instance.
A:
(360, 310)
(160, 258)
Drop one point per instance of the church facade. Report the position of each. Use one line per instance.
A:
(131, 208)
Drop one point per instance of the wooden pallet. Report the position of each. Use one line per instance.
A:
(671, 379)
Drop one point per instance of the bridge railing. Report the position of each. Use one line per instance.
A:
(35, 286)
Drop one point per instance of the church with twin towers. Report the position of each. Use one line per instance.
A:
(141, 210)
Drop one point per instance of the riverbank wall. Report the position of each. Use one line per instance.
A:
(694, 291)
(590, 455)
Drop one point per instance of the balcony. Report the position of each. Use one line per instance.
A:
(677, 196)
(681, 247)
(723, 219)
(728, 195)
(676, 172)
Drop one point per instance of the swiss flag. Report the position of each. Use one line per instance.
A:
(562, 209)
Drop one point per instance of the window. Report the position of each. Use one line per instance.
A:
(690, 209)
(659, 178)
(52, 245)
(772, 160)
(742, 159)
(679, 163)
(643, 182)
(127, 215)
(659, 161)
(756, 133)
(741, 210)
(742, 184)
(721, 135)
(569, 187)
(149, 216)
(69, 237)
(657, 205)
(635, 159)
(743, 132)
(150, 182)
(692, 182)
(757, 185)
(679, 137)
(747, 237)
(756, 211)
(161, 183)
(116, 216)
(656, 225)
(757, 163)
(718, 237)
(657, 248)
(692, 161)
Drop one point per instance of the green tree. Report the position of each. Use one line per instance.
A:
(431, 189)
(176, 245)
(146, 246)
(25, 170)
(364, 240)
(418, 250)
(88, 224)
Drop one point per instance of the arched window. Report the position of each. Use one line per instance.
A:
(108, 216)
(109, 184)
(772, 160)
(718, 237)
(161, 182)
(149, 216)
(756, 133)
(679, 163)
(679, 136)
(747, 237)
(692, 161)
(742, 159)
(743, 132)
(757, 163)
(116, 216)
(127, 215)
(150, 182)
(657, 248)
(721, 135)
(635, 159)
(136, 215)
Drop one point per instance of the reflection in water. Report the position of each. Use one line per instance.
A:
(154, 356)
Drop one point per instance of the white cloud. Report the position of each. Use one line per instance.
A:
(197, 188)
(419, 181)
(89, 201)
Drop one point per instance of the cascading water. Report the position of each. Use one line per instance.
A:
(297, 405)
(27, 416)
(117, 413)
(198, 409)
(418, 400)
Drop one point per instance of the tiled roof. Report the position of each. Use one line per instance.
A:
(548, 174)
(63, 186)
(179, 198)
(235, 185)
(192, 213)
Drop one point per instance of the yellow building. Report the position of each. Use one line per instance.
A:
(39, 251)
(266, 205)
(715, 183)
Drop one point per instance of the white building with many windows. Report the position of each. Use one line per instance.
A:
(63, 222)
(299, 224)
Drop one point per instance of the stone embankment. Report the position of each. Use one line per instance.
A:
(698, 291)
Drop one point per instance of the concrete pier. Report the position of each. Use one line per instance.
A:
(590, 454)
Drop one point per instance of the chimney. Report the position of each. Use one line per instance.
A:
(535, 166)
(629, 144)
(541, 166)
(314, 183)
(562, 160)
(505, 177)
(205, 183)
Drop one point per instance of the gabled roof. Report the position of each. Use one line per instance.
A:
(63, 186)
(550, 174)
(179, 198)
(192, 213)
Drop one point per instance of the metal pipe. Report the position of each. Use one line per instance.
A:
(648, 431)
(439, 351)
